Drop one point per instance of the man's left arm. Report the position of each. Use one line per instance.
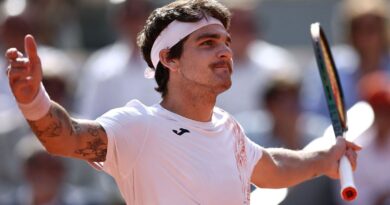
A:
(279, 168)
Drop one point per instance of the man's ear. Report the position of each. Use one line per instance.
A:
(171, 64)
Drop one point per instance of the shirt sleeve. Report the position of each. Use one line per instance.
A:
(254, 152)
(126, 130)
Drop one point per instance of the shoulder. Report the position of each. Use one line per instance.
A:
(134, 113)
(220, 114)
(222, 117)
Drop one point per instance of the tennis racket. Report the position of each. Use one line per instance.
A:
(335, 101)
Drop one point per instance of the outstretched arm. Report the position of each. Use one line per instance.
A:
(279, 168)
(57, 131)
(65, 136)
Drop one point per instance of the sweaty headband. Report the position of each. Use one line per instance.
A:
(172, 34)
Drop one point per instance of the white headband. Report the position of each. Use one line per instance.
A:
(172, 34)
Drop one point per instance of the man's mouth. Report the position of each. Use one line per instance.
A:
(222, 65)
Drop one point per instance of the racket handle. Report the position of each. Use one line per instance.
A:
(348, 188)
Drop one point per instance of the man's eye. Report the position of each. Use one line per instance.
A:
(207, 43)
(228, 43)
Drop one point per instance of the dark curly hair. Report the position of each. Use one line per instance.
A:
(159, 19)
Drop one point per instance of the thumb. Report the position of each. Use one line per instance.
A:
(31, 51)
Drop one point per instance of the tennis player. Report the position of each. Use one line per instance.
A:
(183, 150)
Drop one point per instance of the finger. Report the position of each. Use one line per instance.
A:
(17, 74)
(19, 62)
(12, 54)
(352, 157)
(17, 71)
(32, 54)
(31, 48)
(343, 142)
(353, 146)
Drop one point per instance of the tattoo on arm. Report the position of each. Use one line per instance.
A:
(85, 140)
(95, 148)
(52, 127)
(76, 128)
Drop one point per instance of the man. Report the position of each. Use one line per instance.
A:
(182, 150)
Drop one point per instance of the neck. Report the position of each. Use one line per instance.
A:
(190, 104)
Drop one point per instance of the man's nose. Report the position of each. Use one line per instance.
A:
(225, 52)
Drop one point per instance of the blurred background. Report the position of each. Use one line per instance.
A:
(91, 64)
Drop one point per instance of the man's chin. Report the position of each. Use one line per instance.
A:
(224, 87)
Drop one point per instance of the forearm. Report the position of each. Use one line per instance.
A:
(296, 166)
(280, 168)
(64, 136)
(54, 130)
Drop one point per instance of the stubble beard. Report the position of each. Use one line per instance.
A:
(208, 89)
(224, 76)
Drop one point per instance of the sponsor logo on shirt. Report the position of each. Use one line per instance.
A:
(181, 131)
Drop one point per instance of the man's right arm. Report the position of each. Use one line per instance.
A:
(58, 132)
(68, 137)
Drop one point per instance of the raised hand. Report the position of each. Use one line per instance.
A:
(24, 73)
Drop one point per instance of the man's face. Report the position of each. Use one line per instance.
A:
(368, 33)
(206, 61)
(44, 174)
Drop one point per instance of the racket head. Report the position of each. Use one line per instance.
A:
(330, 80)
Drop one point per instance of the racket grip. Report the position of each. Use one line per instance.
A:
(348, 188)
